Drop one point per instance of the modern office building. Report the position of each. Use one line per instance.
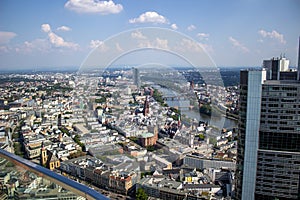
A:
(268, 160)
(298, 77)
(136, 77)
(275, 67)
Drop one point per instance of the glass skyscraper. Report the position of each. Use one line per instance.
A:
(268, 161)
(136, 77)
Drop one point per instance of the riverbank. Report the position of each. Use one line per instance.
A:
(220, 120)
(226, 114)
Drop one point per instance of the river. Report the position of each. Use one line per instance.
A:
(218, 120)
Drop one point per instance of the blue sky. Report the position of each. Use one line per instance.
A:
(44, 33)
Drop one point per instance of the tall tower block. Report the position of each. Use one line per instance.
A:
(299, 61)
(268, 153)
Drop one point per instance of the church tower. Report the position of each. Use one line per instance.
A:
(44, 156)
(146, 107)
(191, 139)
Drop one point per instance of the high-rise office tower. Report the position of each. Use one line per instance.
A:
(136, 77)
(275, 67)
(268, 160)
(299, 61)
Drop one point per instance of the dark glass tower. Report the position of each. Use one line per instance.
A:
(278, 155)
(268, 161)
(136, 77)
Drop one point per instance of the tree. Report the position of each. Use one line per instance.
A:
(141, 194)
(158, 97)
(77, 140)
(212, 141)
(100, 100)
(150, 148)
(201, 136)
(205, 109)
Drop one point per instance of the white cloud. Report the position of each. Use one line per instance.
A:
(56, 40)
(41, 45)
(5, 37)
(149, 17)
(64, 28)
(207, 47)
(144, 44)
(161, 43)
(46, 28)
(94, 6)
(238, 45)
(100, 45)
(189, 45)
(95, 43)
(4, 49)
(191, 27)
(203, 36)
(138, 35)
(274, 35)
(118, 47)
(174, 26)
(157, 43)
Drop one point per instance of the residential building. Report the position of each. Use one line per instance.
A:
(117, 178)
(204, 163)
(162, 188)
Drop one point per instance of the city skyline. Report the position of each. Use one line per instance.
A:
(59, 34)
(128, 139)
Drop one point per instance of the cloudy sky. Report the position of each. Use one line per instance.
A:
(44, 33)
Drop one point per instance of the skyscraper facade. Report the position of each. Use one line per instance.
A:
(136, 77)
(298, 77)
(268, 161)
(249, 124)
